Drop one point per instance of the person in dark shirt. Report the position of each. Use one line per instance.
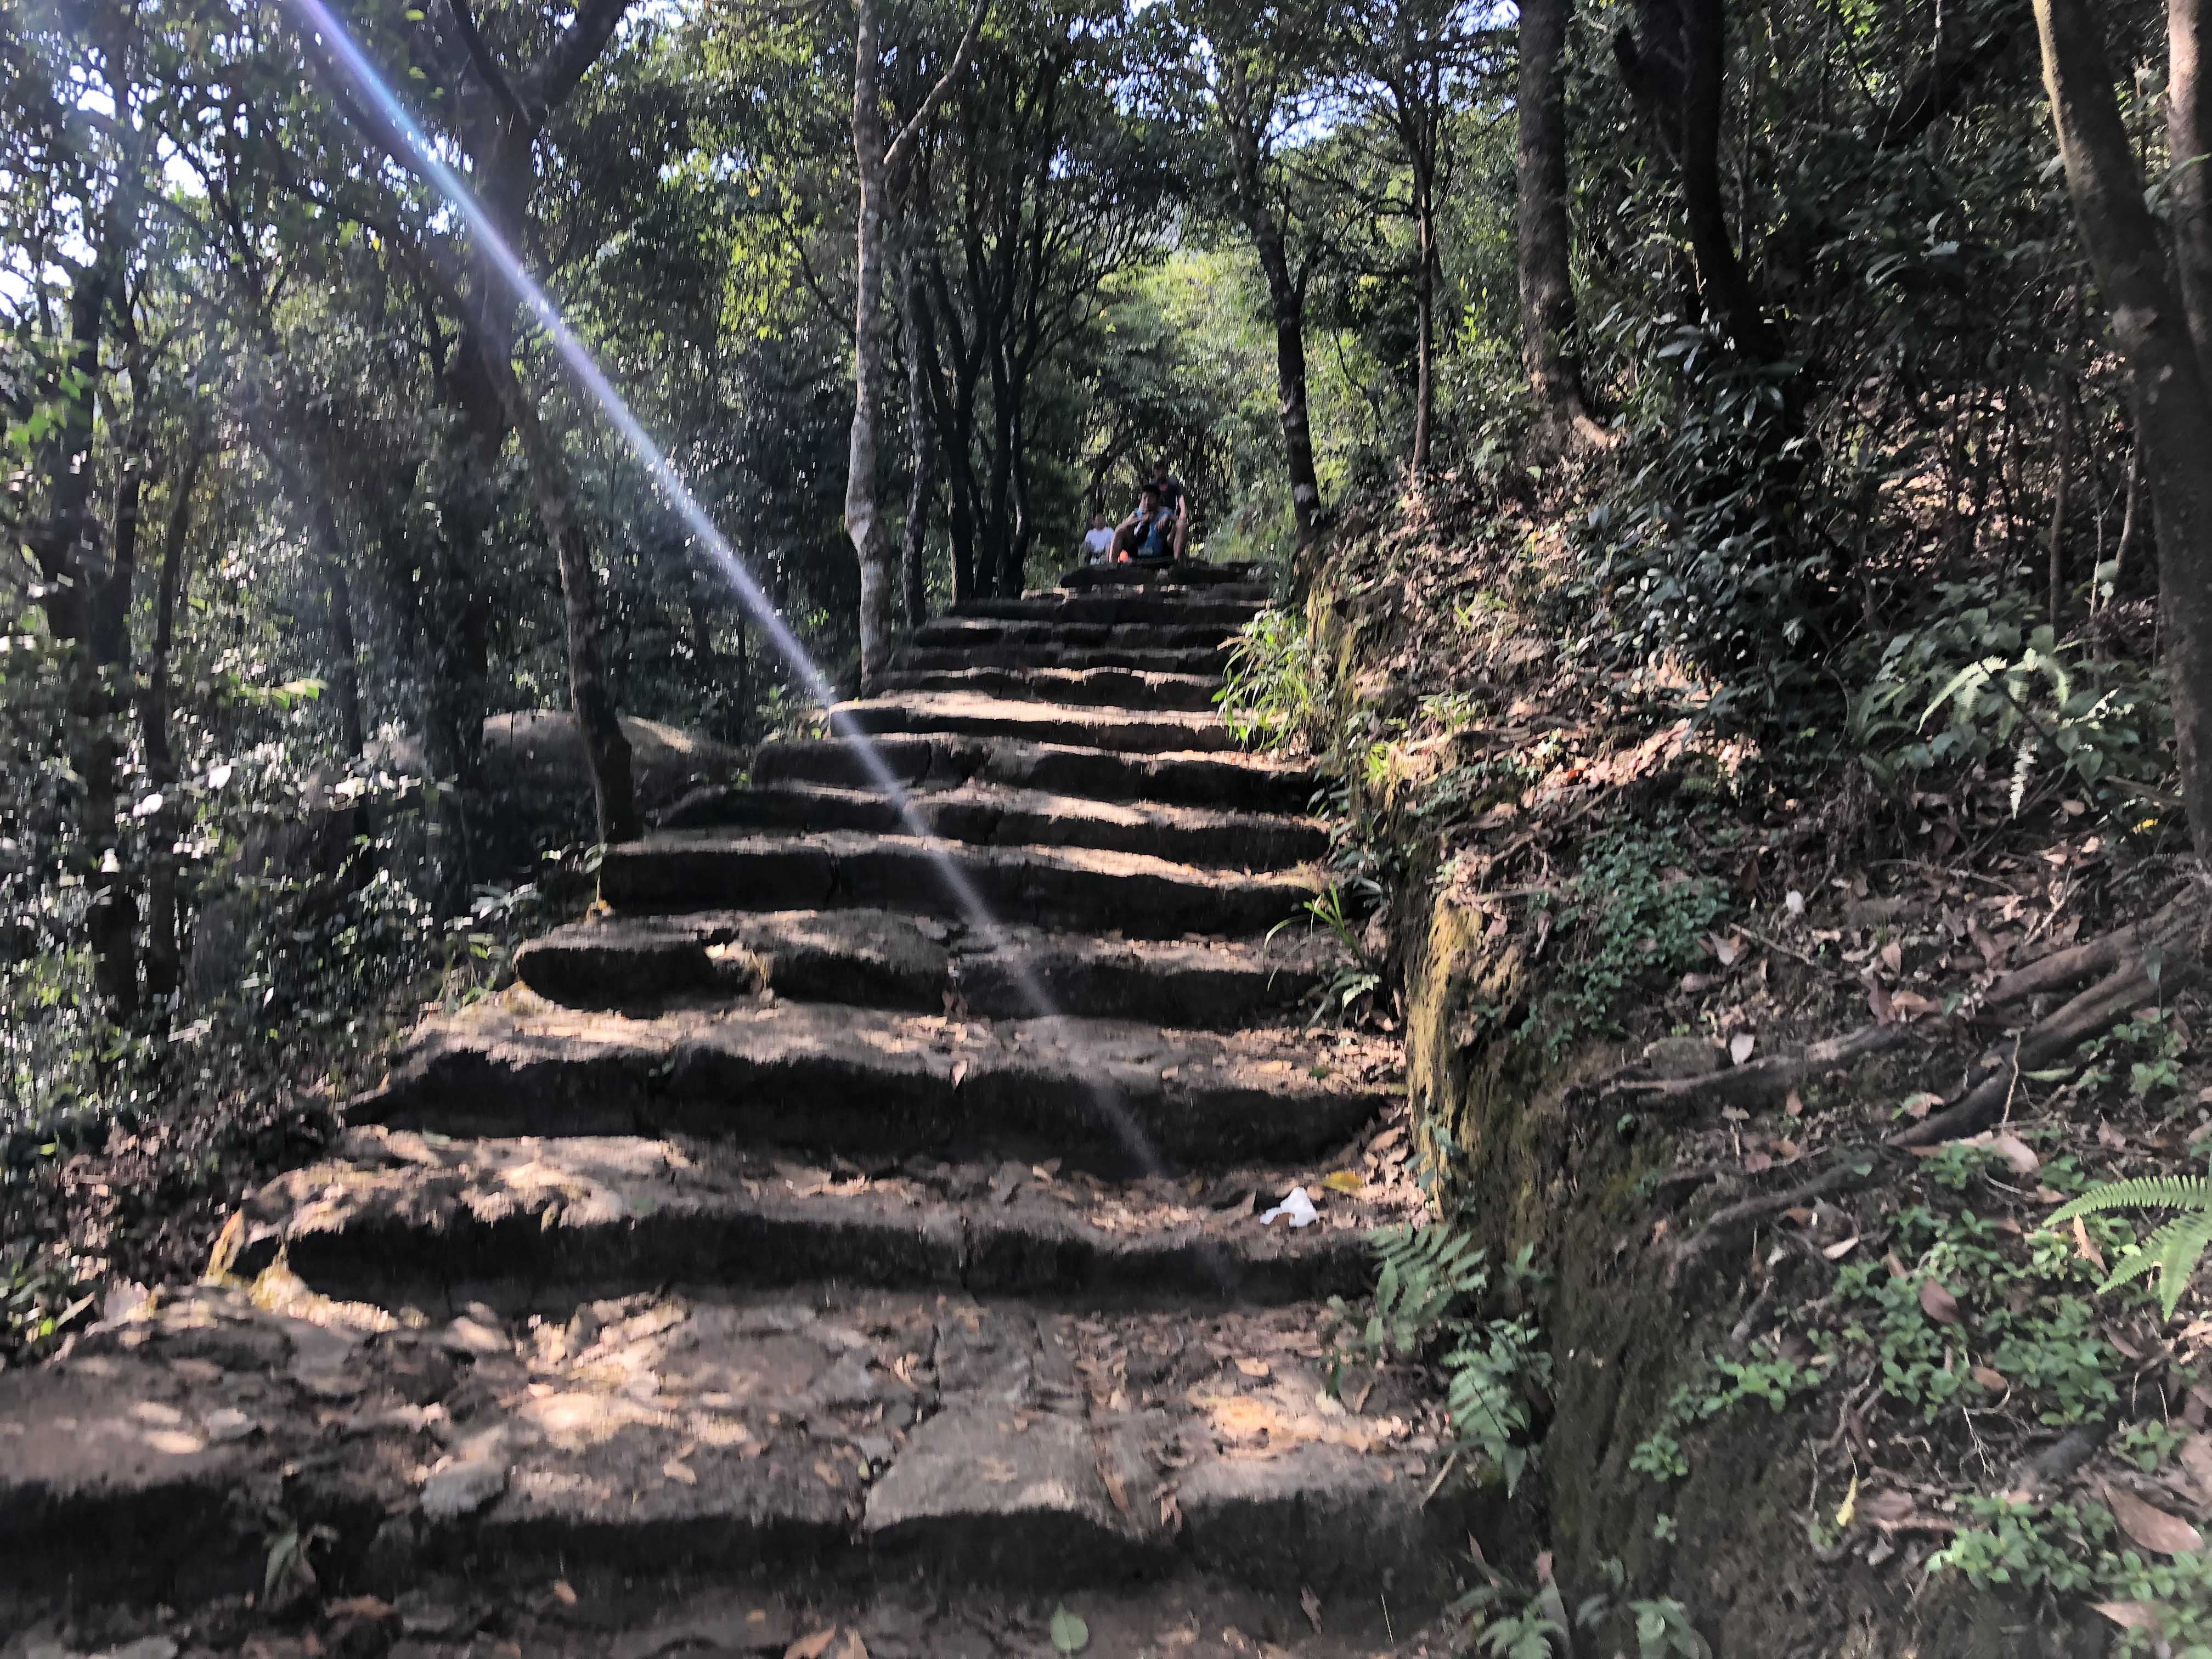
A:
(1148, 534)
(1167, 489)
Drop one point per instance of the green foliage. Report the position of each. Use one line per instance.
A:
(2074, 1550)
(1430, 1294)
(1632, 915)
(1996, 686)
(2029, 1322)
(1660, 1456)
(2173, 1250)
(1274, 687)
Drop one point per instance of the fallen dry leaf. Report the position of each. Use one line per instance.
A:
(1726, 949)
(1741, 1045)
(2016, 1152)
(1795, 1105)
(2108, 1136)
(2128, 1615)
(1343, 1180)
(853, 1647)
(1918, 1106)
(2150, 1526)
(1911, 1005)
(1896, 1267)
(811, 1647)
(1311, 1603)
(1891, 1506)
(959, 1075)
(1938, 1303)
(1757, 1163)
(564, 1592)
(2085, 1249)
(1840, 1249)
(1253, 1367)
(675, 1469)
(1892, 957)
(1878, 999)
(827, 1473)
(1993, 1381)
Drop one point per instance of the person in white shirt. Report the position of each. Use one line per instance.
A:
(1098, 542)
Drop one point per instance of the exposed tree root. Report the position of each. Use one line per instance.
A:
(1851, 1168)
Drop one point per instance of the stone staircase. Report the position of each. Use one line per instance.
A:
(792, 1215)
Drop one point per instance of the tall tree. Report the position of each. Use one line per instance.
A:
(876, 164)
(1256, 66)
(1549, 355)
(2154, 319)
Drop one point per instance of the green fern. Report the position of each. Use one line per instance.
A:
(2175, 1249)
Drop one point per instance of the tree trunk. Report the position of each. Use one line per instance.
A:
(606, 749)
(921, 436)
(2189, 145)
(164, 958)
(863, 521)
(1424, 320)
(2056, 549)
(1549, 353)
(2174, 403)
(1286, 299)
(1727, 292)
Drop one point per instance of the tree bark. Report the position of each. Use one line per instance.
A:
(2174, 403)
(1548, 352)
(1286, 299)
(876, 160)
(614, 796)
(920, 433)
(863, 523)
(164, 958)
(2188, 146)
(1727, 291)
(1425, 318)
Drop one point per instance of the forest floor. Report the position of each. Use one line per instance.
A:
(1725, 920)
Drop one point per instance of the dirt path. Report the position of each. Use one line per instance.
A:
(785, 1233)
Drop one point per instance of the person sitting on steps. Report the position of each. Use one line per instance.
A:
(1098, 541)
(1147, 535)
(1167, 489)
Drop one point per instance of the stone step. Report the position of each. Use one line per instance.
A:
(1240, 579)
(1116, 607)
(1119, 688)
(1107, 1095)
(884, 959)
(968, 633)
(1208, 660)
(430, 1219)
(1075, 887)
(988, 814)
(970, 714)
(857, 1434)
(1231, 780)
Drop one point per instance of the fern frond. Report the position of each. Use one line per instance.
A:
(2143, 1193)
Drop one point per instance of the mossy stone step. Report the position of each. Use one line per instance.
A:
(966, 713)
(1119, 688)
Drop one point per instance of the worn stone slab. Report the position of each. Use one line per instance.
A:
(1117, 607)
(1208, 660)
(611, 1214)
(1231, 780)
(1089, 687)
(989, 814)
(989, 1491)
(1108, 1094)
(972, 714)
(884, 959)
(1077, 887)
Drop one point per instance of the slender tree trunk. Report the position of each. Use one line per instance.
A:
(1726, 290)
(2174, 403)
(1548, 354)
(2056, 548)
(920, 432)
(606, 749)
(1286, 299)
(863, 521)
(164, 958)
(1424, 320)
(2189, 145)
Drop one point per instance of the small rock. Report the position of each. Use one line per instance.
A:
(227, 1425)
(1681, 1059)
(422, 1613)
(146, 1647)
(461, 1489)
(471, 1335)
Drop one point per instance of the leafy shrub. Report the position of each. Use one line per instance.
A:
(1272, 686)
(1981, 681)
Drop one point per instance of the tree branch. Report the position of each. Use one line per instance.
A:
(487, 66)
(902, 146)
(546, 86)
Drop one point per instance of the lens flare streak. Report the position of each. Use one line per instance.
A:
(424, 160)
